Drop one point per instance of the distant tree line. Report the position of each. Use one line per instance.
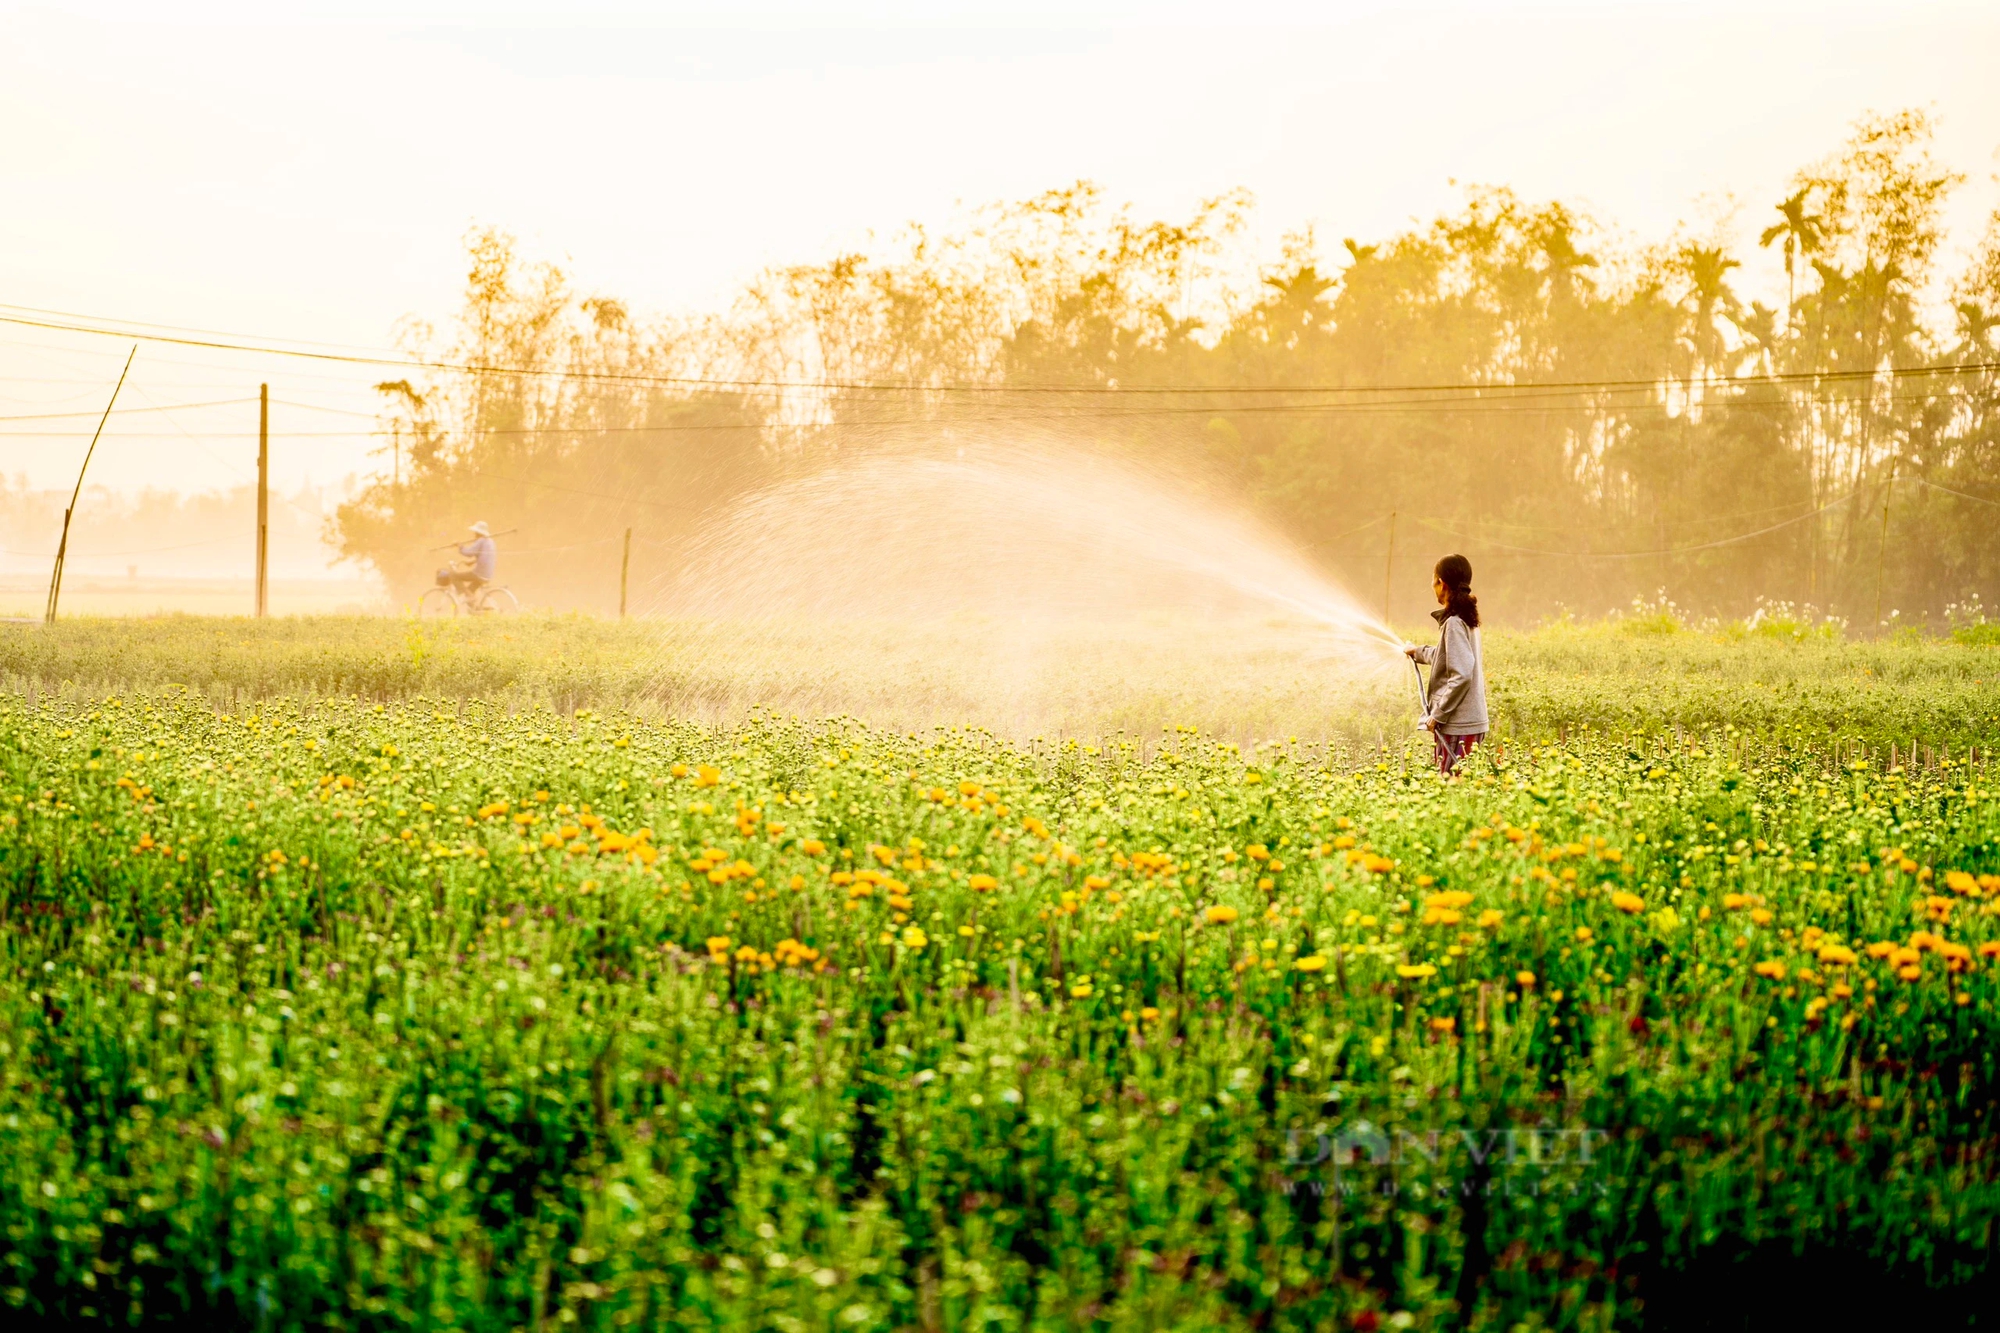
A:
(1590, 421)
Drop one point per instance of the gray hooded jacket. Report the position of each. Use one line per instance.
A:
(1456, 697)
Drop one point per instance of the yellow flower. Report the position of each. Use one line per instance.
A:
(1220, 914)
(1628, 902)
(1524, 979)
(1080, 991)
(1443, 1024)
(1771, 968)
(982, 883)
(1489, 918)
(914, 938)
(1148, 1014)
(1415, 971)
(1312, 962)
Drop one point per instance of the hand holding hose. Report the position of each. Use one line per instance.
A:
(1424, 721)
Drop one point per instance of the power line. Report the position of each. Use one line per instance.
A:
(243, 343)
(1639, 555)
(145, 550)
(1622, 527)
(1963, 495)
(168, 414)
(1404, 407)
(120, 412)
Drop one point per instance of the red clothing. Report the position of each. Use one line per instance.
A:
(1451, 749)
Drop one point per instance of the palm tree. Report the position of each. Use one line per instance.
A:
(1759, 327)
(1300, 289)
(1556, 239)
(1803, 234)
(1707, 269)
(1975, 321)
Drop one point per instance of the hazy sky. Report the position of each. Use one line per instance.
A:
(311, 176)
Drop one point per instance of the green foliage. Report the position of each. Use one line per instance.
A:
(439, 1013)
(1807, 690)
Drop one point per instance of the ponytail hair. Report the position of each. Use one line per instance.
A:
(1455, 572)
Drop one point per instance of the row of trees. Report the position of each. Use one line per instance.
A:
(1588, 421)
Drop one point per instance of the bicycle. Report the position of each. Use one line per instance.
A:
(488, 599)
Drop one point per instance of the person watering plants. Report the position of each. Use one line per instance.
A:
(1455, 699)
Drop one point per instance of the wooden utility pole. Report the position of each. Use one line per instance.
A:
(1389, 567)
(62, 547)
(263, 500)
(624, 573)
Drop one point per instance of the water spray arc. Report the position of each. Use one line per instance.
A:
(1030, 551)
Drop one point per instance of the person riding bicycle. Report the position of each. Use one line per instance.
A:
(485, 558)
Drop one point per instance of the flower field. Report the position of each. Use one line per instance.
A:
(322, 1012)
